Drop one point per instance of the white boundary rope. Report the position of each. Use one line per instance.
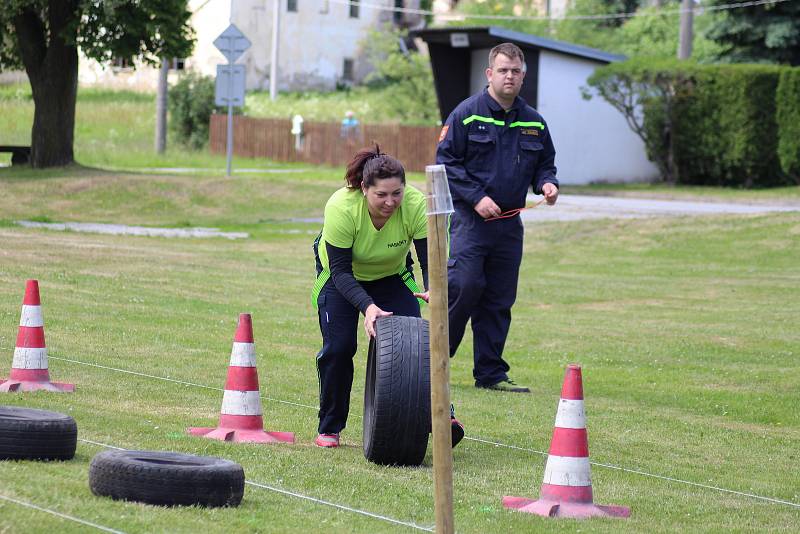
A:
(342, 507)
(59, 514)
(478, 440)
(301, 496)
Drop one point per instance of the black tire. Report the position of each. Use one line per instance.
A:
(29, 434)
(397, 394)
(166, 478)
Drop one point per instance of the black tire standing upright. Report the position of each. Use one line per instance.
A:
(397, 393)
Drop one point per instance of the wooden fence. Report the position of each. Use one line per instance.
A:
(414, 146)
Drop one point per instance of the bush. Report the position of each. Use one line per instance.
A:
(191, 103)
(724, 127)
(787, 110)
(703, 125)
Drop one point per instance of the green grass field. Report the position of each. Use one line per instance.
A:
(686, 330)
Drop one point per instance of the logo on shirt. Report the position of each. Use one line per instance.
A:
(397, 244)
(443, 133)
(525, 131)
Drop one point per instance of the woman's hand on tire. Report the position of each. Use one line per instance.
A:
(373, 312)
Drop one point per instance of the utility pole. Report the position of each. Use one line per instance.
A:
(686, 31)
(273, 68)
(161, 107)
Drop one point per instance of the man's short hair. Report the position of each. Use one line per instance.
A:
(509, 50)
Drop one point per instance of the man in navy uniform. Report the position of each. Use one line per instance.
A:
(494, 146)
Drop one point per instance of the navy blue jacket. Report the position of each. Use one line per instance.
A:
(490, 151)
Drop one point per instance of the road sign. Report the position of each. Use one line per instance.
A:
(232, 43)
(229, 88)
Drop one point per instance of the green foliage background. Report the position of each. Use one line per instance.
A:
(191, 103)
(651, 34)
(707, 124)
(787, 111)
(768, 33)
(406, 77)
(724, 127)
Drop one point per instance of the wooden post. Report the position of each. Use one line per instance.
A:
(438, 211)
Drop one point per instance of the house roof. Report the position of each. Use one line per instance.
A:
(489, 36)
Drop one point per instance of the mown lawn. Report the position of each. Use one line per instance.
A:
(685, 328)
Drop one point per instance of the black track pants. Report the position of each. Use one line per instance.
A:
(339, 323)
(483, 271)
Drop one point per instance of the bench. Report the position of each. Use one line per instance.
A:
(20, 155)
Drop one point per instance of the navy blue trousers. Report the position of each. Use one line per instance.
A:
(483, 270)
(339, 323)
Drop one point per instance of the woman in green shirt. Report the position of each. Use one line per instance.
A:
(364, 266)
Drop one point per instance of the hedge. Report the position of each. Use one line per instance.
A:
(730, 125)
(787, 110)
(724, 129)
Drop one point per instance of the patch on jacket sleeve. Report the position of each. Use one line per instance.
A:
(443, 133)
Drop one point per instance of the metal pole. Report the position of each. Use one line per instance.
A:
(440, 360)
(273, 68)
(230, 117)
(686, 31)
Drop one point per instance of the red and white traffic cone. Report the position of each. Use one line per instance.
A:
(240, 418)
(29, 367)
(567, 486)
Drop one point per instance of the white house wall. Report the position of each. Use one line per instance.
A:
(593, 142)
(209, 19)
(314, 40)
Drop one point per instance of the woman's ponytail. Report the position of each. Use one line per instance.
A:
(369, 164)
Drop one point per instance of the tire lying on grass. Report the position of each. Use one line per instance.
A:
(166, 478)
(397, 393)
(30, 434)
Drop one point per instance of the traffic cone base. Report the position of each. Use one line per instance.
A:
(567, 485)
(240, 419)
(15, 386)
(548, 508)
(29, 367)
(236, 435)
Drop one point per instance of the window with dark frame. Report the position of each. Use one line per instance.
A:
(347, 70)
(397, 16)
(178, 63)
(354, 8)
(291, 6)
(121, 63)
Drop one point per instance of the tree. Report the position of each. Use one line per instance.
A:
(657, 36)
(644, 90)
(407, 76)
(768, 33)
(44, 37)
